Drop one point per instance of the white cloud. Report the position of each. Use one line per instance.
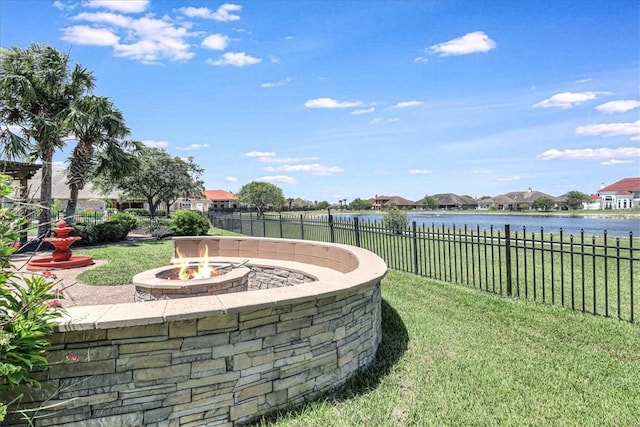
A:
(363, 111)
(277, 84)
(287, 159)
(231, 179)
(406, 104)
(420, 59)
(384, 120)
(215, 42)
(589, 153)
(568, 99)
(277, 178)
(63, 6)
(480, 171)
(474, 42)
(84, 35)
(331, 103)
(610, 129)
(620, 106)
(155, 144)
(148, 39)
(109, 18)
(614, 162)
(259, 154)
(587, 80)
(315, 168)
(193, 147)
(508, 179)
(128, 6)
(223, 14)
(420, 171)
(237, 59)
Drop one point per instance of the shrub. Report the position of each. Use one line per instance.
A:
(138, 211)
(111, 231)
(188, 223)
(396, 220)
(129, 221)
(28, 309)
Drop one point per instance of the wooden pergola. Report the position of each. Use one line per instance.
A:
(21, 172)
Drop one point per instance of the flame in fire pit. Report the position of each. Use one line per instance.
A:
(201, 271)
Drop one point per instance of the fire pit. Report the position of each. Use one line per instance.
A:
(191, 279)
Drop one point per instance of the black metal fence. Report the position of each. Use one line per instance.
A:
(592, 274)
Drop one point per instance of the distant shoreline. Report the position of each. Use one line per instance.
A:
(629, 214)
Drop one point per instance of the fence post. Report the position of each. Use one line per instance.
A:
(331, 231)
(414, 238)
(280, 223)
(264, 225)
(507, 258)
(301, 227)
(356, 229)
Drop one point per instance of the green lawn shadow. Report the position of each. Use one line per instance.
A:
(394, 343)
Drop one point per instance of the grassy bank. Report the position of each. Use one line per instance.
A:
(451, 356)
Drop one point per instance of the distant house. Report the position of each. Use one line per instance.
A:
(623, 194)
(89, 199)
(453, 201)
(518, 200)
(485, 204)
(384, 202)
(594, 203)
(221, 199)
(208, 199)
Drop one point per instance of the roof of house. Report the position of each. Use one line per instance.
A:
(394, 200)
(450, 199)
(528, 196)
(60, 189)
(626, 184)
(219, 195)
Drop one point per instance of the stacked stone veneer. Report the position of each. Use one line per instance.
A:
(223, 359)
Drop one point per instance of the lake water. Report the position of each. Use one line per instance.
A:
(551, 224)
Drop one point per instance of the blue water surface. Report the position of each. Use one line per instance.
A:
(619, 227)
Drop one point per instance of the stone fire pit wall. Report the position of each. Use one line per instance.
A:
(220, 359)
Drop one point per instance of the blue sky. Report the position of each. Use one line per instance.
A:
(335, 100)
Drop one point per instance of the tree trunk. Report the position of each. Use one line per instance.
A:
(44, 224)
(152, 207)
(70, 211)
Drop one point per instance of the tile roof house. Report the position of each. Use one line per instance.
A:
(453, 201)
(208, 199)
(518, 200)
(623, 194)
(383, 202)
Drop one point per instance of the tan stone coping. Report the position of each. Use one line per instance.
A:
(367, 269)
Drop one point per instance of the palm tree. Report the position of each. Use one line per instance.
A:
(36, 91)
(98, 127)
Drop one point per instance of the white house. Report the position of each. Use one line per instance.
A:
(623, 194)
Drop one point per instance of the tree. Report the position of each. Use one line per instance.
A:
(36, 90)
(98, 127)
(360, 205)
(159, 178)
(261, 195)
(322, 205)
(575, 199)
(430, 202)
(396, 220)
(545, 203)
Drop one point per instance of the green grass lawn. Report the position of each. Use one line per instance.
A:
(451, 355)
